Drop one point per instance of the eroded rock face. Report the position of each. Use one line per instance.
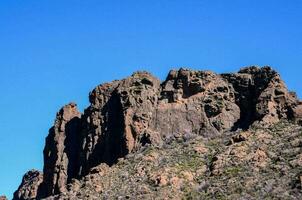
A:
(127, 114)
(118, 118)
(199, 102)
(29, 186)
(262, 96)
(61, 151)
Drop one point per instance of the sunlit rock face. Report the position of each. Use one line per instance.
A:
(29, 186)
(125, 115)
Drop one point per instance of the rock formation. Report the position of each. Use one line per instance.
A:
(3, 198)
(29, 186)
(128, 114)
(262, 96)
(61, 151)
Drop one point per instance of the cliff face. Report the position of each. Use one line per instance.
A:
(61, 151)
(126, 115)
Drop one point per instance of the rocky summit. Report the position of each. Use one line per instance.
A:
(196, 135)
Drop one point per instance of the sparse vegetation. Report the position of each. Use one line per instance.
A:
(178, 171)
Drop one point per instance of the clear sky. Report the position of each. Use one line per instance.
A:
(55, 51)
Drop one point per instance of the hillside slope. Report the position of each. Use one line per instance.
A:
(255, 164)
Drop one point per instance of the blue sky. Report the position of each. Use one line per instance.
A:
(55, 51)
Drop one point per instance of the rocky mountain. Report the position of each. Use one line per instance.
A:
(196, 135)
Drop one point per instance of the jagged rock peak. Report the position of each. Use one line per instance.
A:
(60, 152)
(29, 186)
(125, 115)
(262, 96)
(68, 112)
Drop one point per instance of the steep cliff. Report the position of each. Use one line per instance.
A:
(128, 115)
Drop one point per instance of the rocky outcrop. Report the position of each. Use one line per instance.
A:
(61, 151)
(262, 96)
(29, 186)
(199, 102)
(3, 198)
(128, 114)
(118, 118)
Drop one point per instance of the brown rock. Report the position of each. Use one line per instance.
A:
(128, 114)
(160, 180)
(260, 158)
(118, 118)
(243, 136)
(262, 96)
(297, 112)
(136, 111)
(61, 151)
(199, 102)
(218, 164)
(3, 198)
(30, 185)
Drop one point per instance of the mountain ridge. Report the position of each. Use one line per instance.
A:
(127, 115)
